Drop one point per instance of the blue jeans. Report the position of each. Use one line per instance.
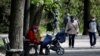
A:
(92, 36)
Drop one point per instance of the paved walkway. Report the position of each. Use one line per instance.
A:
(82, 42)
(82, 48)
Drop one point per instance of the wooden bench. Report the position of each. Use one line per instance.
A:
(5, 39)
(6, 42)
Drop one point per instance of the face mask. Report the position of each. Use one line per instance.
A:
(93, 19)
(34, 30)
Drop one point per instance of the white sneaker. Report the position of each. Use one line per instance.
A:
(92, 46)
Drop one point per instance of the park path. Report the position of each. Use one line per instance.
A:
(82, 48)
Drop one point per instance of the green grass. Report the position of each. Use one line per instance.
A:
(1, 42)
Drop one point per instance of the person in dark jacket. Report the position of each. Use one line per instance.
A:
(67, 19)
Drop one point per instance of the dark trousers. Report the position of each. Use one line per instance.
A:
(71, 40)
(43, 47)
(92, 36)
(27, 48)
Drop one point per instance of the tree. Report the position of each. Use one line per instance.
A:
(26, 16)
(36, 9)
(86, 16)
(35, 14)
(16, 26)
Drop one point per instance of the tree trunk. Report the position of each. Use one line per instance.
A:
(26, 16)
(35, 14)
(86, 16)
(26, 26)
(16, 26)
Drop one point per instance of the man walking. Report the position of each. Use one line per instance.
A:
(92, 31)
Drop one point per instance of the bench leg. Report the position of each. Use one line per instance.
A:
(26, 49)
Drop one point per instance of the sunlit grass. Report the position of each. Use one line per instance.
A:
(1, 42)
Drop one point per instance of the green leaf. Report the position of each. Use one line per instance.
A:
(48, 2)
(37, 2)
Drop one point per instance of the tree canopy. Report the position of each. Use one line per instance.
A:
(74, 7)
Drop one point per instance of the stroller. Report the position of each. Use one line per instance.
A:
(54, 44)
